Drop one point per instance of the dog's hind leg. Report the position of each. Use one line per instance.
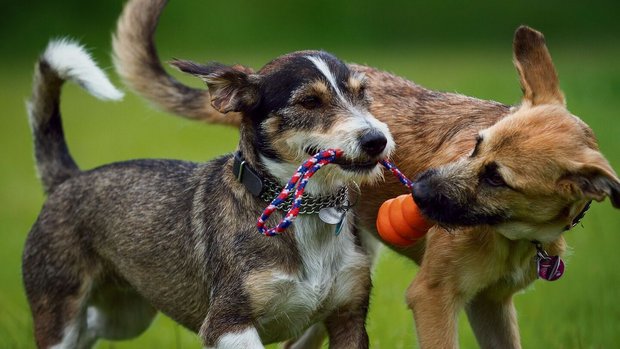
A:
(57, 283)
(494, 321)
(115, 311)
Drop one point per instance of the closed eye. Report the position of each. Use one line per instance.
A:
(310, 102)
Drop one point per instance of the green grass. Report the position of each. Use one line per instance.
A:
(579, 311)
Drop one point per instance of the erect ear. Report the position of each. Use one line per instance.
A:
(595, 180)
(232, 88)
(539, 80)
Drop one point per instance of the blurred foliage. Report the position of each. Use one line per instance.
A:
(27, 25)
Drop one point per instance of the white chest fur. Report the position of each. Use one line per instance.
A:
(329, 274)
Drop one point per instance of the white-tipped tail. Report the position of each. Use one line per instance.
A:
(62, 60)
(71, 62)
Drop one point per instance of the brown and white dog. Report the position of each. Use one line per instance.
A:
(494, 177)
(114, 245)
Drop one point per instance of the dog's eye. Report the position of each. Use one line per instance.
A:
(310, 102)
(493, 178)
(361, 92)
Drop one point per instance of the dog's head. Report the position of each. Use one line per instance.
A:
(296, 105)
(532, 173)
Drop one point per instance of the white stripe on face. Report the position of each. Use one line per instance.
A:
(322, 66)
(362, 118)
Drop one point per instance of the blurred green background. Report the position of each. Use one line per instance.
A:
(452, 46)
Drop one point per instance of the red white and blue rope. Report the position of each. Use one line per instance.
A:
(298, 183)
(401, 177)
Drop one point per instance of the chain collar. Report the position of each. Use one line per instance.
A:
(266, 189)
(310, 204)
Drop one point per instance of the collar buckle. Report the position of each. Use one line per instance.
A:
(247, 176)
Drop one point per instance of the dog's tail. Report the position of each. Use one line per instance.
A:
(62, 60)
(137, 62)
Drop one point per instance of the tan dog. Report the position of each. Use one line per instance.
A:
(499, 178)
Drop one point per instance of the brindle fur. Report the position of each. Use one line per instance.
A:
(474, 265)
(114, 245)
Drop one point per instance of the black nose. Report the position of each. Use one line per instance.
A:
(373, 143)
(423, 192)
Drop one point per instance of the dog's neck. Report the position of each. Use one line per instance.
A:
(264, 178)
(275, 170)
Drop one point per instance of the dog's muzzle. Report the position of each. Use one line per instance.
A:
(435, 204)
(373, 143)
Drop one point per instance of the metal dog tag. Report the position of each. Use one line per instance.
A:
(341, 224)
(334, 215)
(331, 215)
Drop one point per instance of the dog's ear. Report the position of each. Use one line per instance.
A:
(232, 88)
(539, 80)
(594, 180)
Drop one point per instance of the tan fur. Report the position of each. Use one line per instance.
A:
(356, 83)
(538, 146)
(548, 155)
(320, 88)
(141, 70)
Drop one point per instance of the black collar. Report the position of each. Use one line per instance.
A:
(267, 189)
(580, 216)
(247, 175)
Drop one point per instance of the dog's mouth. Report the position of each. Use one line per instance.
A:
(349, 164)
(352, 165)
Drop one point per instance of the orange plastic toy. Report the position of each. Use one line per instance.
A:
(400, 221)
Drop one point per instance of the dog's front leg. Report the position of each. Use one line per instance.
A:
(494, 320)
(311, 339)
(228, 325)
(435, 308)
(241, 337)
(436, 294)
(346, 328)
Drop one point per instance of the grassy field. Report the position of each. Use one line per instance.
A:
(579, 311)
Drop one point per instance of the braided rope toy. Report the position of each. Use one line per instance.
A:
(298, 182)
(396, 172)
(300, 179)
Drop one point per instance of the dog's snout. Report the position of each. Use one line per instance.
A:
(425, 176)
(422, 192)
(426, 194)
(373, 143)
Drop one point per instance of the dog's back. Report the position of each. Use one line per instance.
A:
(66, 250)
(121, 230)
